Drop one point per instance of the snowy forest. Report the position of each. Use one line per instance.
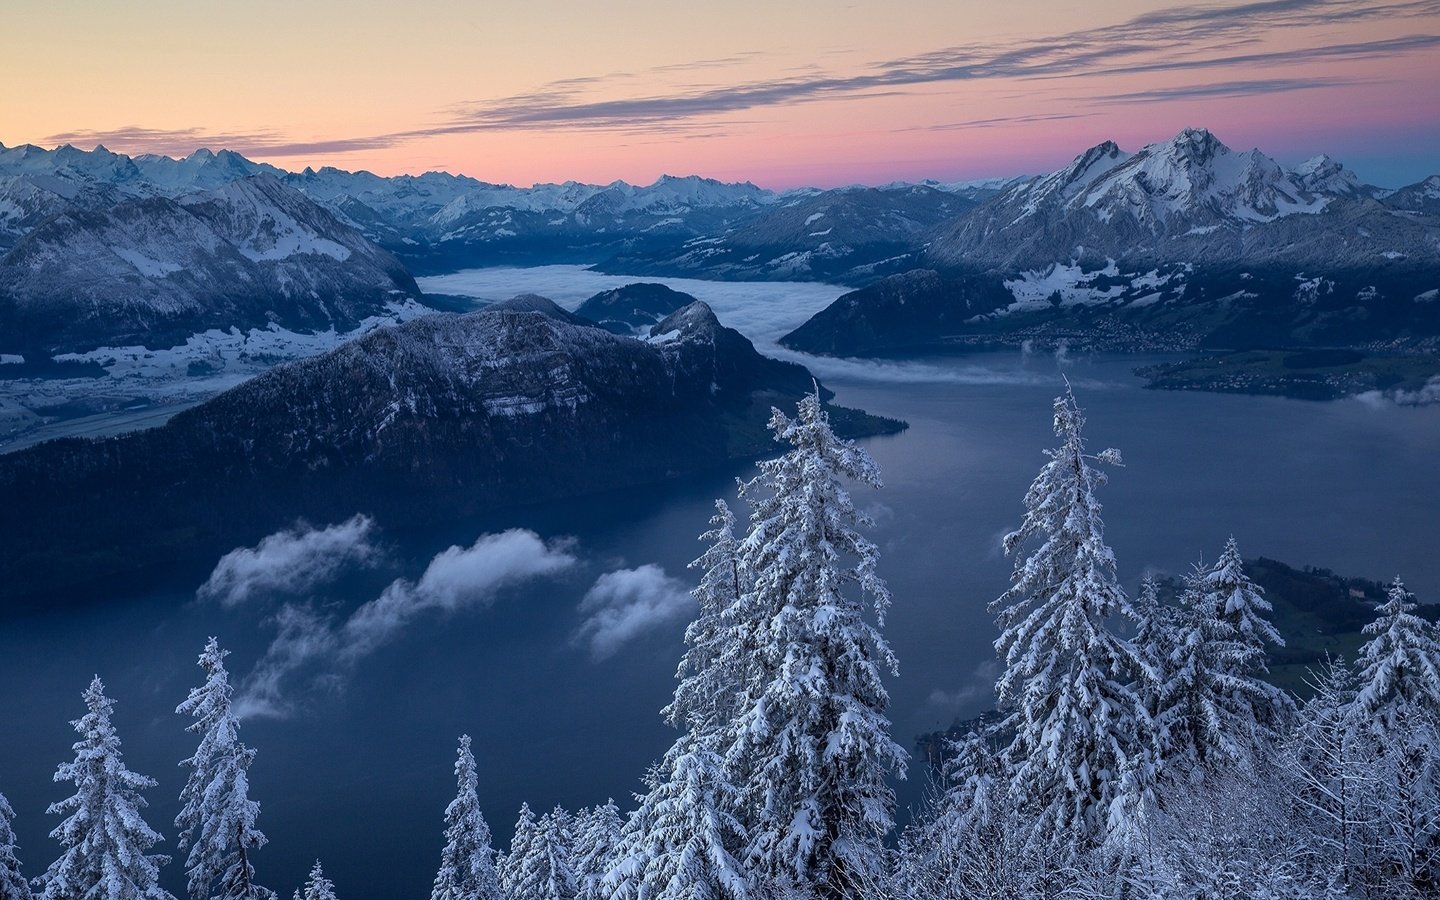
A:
(1139, 751)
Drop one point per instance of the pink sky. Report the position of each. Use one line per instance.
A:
(782, 94)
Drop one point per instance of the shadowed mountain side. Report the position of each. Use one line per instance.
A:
(633, 308)
(442, 417)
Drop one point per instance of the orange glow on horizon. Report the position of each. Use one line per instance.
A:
(782, 95)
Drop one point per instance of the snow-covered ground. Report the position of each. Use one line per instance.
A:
(142, 388)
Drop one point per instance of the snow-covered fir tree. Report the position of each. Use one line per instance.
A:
(811, 741)
(1068, 684)
(1214, 708)
(709, 671)
(317, 886)
(539, 865)
(104, 836)
(467, 864)
(1400, 664)
(1157, 634)
(597, 839)
(13, 885)
(681, 843)
(1397, 716)
(217, 818)
(521, 841)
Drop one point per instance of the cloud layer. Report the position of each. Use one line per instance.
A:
(627, 603)
(291, 562)
(323, 647)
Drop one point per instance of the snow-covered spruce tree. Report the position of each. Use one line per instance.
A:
(1397, 715)
(709, 672)
(467, 864)
(13, 885)
(811, 741)
(317, 886)
(1400, 664)
(521, 843)
(597, 839)
(1214, 708)
(680, 844)
(217, 819)
(1068, 681)
(539, 865)
(104, 834)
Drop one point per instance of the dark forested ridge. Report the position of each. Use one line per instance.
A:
(442, 417)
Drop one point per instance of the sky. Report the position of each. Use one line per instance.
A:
(798, 92)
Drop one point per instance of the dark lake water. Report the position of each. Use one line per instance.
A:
(359, 775)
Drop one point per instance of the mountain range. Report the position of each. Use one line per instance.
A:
(1181, 244)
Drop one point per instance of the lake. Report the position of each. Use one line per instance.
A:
(359, 774)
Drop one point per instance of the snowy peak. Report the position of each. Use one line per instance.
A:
(1190, 198)
(1062, 186)
(1324, 174)
(673, 195)
(695, 320)
(1194, 180)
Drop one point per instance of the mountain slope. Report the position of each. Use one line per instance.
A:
(153, 271)
(633, 308)
(441, 417)
(846, 234)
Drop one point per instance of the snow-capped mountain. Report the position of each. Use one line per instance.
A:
(201, 170)
(1422, 198)
(440, 417)
(1182, 244)
(1189, 199)
(846, 234)
(155, 270)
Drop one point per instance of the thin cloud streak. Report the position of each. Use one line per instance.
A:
(1225, 89)
(1176, 39)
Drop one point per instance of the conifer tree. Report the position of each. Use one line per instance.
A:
(317, 886)
(1214, 708)
(217, 819)
(467, 864)
(104, 835)
(680, 844)
(1397, 715)
(811, 741)
(1400, 664)
(597, 839)
(539, 866)
(13, 885)
(708, 672)
(521, 844)
(1068, 682)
